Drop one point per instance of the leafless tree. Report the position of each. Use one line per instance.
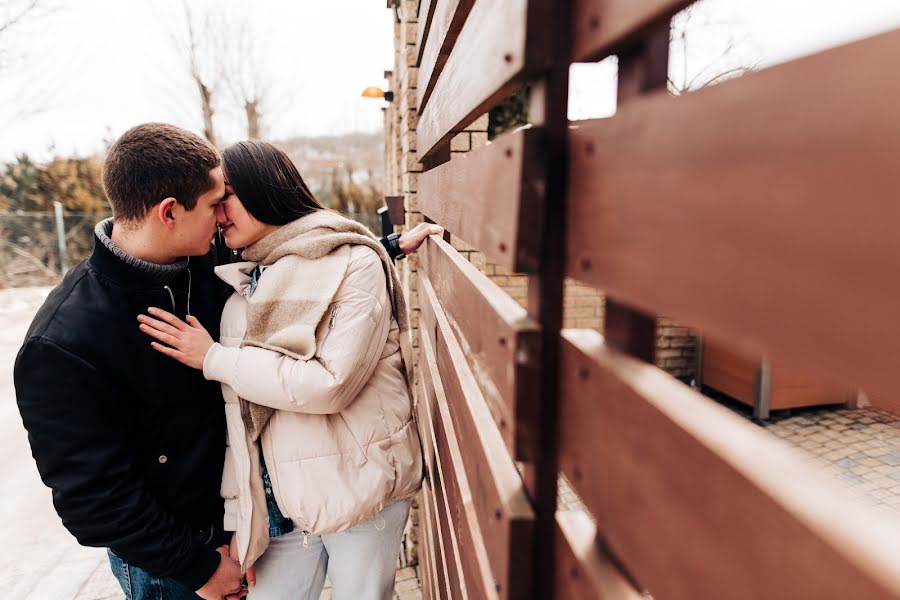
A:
(14, 13)
(228, 59)
(201, 65)
(244, 58)
(707, 50)
(194, 37)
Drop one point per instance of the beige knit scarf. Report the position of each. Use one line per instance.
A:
(306, 261)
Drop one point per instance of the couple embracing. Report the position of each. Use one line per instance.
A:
(167, 373)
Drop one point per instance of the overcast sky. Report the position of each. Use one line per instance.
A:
(96, 67)
(765, 32)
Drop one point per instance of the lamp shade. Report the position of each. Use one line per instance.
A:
(373, 92)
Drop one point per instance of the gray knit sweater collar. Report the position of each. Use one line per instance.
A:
(161, 273)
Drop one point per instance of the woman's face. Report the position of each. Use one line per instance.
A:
(238, 226)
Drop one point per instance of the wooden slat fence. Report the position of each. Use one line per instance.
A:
(761, 210)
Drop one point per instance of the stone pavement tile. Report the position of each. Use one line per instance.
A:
(859, 448)
(406, 586)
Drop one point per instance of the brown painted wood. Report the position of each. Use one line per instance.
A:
(762, 210)
(443, 484)
(472, 549)
(699, 503)
(446, 23)
(550, 100)
(605, 27)
(735, 375)
(642, 69)
(631, 331)
(424, 570)
(583, 571)
(396, 210)
(499, 341)
(443, 561)
(492, 198)
(499, 508)
(438, 583)
(423, 422)
(497, 38)
(423, 26)
(423, 550)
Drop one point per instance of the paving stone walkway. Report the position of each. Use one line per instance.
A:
(859, 448)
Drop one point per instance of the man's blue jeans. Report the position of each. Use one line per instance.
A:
(138, 584)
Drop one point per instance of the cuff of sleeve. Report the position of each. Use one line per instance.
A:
(199, 568)
(230, 520)
(220, 363)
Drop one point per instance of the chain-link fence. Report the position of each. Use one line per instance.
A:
(30, 244)
(36, 247)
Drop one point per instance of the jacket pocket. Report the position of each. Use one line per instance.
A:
(332, 314)
(361, 456)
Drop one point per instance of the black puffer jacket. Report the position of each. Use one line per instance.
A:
(130, 441)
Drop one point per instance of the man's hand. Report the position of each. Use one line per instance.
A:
(411, 240)
(227, 582)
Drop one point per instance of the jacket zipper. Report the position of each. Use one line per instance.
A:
(332, 320)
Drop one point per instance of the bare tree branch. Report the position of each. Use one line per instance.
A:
(728, 61)
(19, 16)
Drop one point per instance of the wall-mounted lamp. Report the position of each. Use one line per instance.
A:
(376, 92)
(398, 11)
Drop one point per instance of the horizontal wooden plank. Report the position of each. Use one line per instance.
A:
(476, 577)
(499, 341)
(396, 210)
(762, 210)
(498, 502)
(434, 533)
(796, 397)
(583, 571)
(425, 16)
(492, 198)
(424, 570)
(502, 44)
(446, 23)
(604, 27)
(697, 502)
(442, 475)
(438, 579)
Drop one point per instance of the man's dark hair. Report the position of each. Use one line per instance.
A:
(267, 183)
(152, 162)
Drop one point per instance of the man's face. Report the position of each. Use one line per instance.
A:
(196, 228)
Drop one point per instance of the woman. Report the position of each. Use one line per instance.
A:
(323, 456)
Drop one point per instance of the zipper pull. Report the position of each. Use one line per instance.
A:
(306, 539)
(333, 317)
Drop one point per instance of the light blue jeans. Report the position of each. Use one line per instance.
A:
(360, 561)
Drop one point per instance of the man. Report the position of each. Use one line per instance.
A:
(130, 442)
